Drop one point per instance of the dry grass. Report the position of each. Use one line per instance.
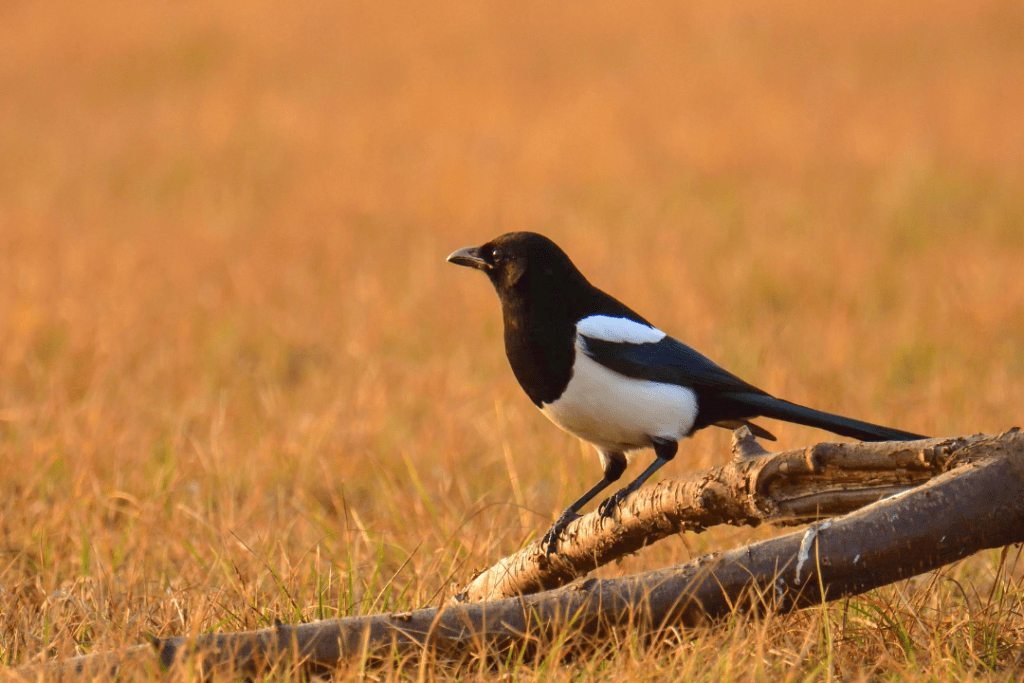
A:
(238, 382)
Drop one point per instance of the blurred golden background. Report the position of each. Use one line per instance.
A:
(238, 381)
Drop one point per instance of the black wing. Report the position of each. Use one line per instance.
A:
(668, 361)
(720, 393)
(722, 397)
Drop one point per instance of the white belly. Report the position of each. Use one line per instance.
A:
(616, 413)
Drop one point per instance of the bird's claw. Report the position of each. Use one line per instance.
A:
(551, 539)
(610, 505)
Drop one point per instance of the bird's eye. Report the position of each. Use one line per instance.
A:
(497, 256)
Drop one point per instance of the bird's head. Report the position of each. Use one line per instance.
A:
(517, 261)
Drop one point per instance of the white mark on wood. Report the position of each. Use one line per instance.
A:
(780, 590)
(856, 559)
(898, 495)
(805, 547)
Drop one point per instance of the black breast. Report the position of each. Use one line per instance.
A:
(541, 350)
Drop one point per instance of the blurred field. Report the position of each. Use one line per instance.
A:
(239, 383)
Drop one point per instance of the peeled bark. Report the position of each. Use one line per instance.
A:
(891, 539)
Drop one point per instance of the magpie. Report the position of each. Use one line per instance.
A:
(603, 373)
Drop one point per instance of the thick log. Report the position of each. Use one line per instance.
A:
(977, 505)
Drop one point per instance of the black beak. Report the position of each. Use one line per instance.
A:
(470, 256)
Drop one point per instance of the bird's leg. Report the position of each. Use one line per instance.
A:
(665, 450)
(614, 464)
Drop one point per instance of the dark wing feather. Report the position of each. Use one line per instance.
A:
(719, 392)
(723, 397)
(668, 361)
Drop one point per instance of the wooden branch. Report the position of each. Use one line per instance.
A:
(892, 539)
(791, 487)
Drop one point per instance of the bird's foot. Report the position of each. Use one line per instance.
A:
(609, 507)
(554, 535)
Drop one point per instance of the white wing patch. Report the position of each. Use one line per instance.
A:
(622, 330)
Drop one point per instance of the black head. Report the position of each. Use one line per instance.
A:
(519, 261)
(542, 296)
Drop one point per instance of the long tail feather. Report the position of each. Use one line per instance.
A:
(769, 406)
